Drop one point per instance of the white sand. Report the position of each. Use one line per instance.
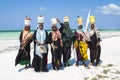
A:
(108, 70)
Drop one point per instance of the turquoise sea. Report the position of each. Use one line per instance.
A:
(14, 34)
(11, 34)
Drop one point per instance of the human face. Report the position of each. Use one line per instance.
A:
(54, 28)
(40, 27)
(92, 26)
(66, 24)
(80, 27)
(27, 27)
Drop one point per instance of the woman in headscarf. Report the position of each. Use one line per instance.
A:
(67, 37)
(55, 41)
(81, 46)
(95, 48)
(40, 48)
(23, 56)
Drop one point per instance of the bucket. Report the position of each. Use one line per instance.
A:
(92, 19)
(53, 20)
(66, 19)
(80, 20)
(40, 19)
(27, 21)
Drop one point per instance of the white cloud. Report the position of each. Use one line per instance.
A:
(42, 8)
(110, 9)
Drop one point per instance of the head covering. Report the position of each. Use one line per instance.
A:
(79, 20)
(27, 21)
(54, 21)
(92, 19)
(40, 19)
(66, 18)
(68, 34)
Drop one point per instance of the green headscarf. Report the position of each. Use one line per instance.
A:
(67, 34)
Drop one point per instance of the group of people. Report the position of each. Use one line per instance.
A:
(60, 41)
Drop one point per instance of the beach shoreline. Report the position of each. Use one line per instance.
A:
(109, 68)
(12, 44)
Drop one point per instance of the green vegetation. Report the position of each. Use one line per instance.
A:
(117, 72)
(94, 78)
(101, 76)
(106, 71)
(86, 78)
(110, 65)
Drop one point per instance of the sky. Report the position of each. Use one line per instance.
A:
(13, 12)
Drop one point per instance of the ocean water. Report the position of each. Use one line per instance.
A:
(9, 35)
(109, 33)
(14, 34)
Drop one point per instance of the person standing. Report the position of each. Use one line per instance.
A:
(67, 37)
(25, 38)
(55, 41)
(40, 47)
(80, 44)
(95, 48)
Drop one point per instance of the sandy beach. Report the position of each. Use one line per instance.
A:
(59, 18)
(109, 69)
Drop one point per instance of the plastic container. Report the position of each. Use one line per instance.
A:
(80, 20)
(92, 19)
(27, 21)
(53, 20)
(66, 19)
(40, 19)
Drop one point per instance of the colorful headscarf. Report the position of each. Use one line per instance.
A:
(56, 35)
